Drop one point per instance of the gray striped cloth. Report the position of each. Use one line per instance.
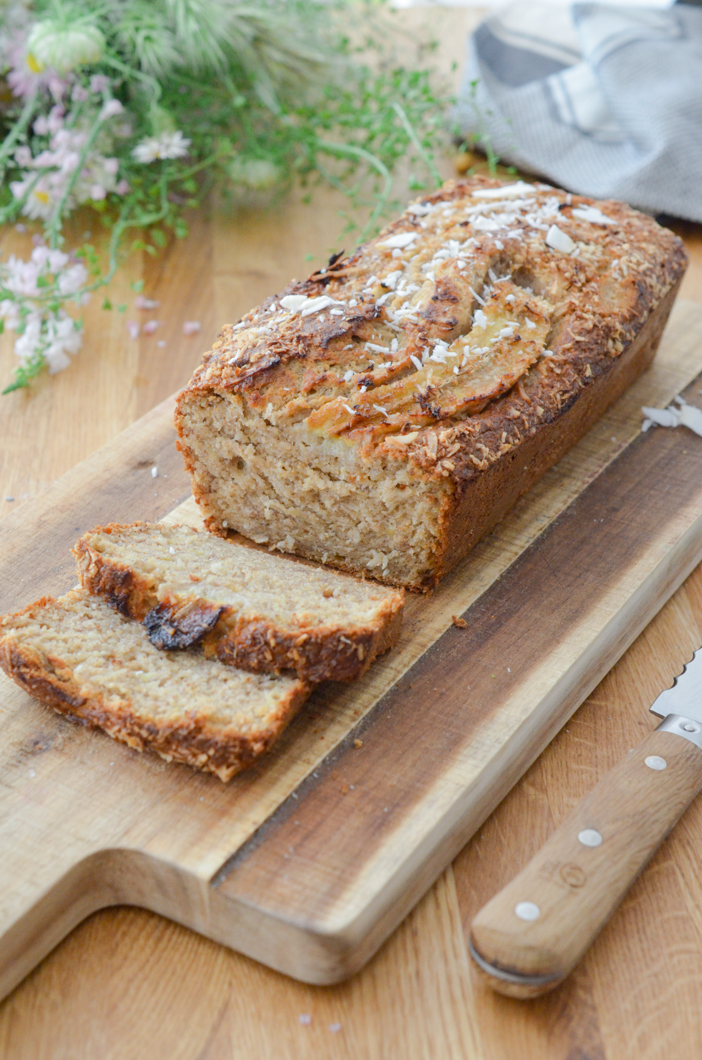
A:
(602, 100)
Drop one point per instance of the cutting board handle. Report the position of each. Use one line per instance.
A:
(532, 934)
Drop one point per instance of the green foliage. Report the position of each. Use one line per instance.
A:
(264, 93)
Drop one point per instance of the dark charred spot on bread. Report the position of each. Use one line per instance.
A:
(171, 629)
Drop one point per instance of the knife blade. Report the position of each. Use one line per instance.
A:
(530, 936)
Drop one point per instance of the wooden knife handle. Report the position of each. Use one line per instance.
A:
(533, 933)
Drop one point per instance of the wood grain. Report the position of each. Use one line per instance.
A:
(127, 983)
(574, 886)
(316, 896)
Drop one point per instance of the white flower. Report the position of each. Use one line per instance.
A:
(9, 311)
(167, 145)
(112, 108)
(63, 336)
(98, 175)
(23, 156)
(72, 279)
(35, 287)
(52, 43)
(26, 76)
(29, 341)
(53, 336)
(40, 202)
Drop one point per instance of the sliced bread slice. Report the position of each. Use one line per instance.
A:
(251, 609)
(82, 657)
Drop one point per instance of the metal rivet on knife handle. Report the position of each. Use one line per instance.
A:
(576, 881)
(656, 762)
(527, 911)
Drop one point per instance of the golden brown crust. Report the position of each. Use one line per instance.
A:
(334, 655)
(315, 652)
(190, 740)
(116, 583)
(594, 302)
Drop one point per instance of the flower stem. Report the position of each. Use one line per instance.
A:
(17, 129)
(131, 71)
(351, 151)
(53, 227)
(426, 157)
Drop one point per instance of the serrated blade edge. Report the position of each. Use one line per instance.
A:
(685, 697)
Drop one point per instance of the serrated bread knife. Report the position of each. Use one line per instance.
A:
(529, 937)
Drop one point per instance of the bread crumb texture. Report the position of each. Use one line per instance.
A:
(349, 418)
(249, 608)
(82, 657)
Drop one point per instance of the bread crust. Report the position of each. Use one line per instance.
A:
(605, 308)
(315, 652)
(191, 740)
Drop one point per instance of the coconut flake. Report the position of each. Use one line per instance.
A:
(419, 209)
(391, 279)
(479, 319)
(669, 417)
(403, 439)
(684, 416)
(559, 240)
(399, 241)
(593, 215)
(506, 191)
(293, 302)
(315, 305)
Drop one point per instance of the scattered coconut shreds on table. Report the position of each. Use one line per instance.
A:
(680, 414)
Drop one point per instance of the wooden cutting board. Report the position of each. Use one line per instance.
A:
(309, 860)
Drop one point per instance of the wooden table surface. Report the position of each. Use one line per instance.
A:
(127, 984)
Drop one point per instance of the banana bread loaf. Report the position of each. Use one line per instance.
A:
(384, 414)
(82, 657)
(251, 609)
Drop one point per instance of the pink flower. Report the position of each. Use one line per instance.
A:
(79, 94)
(122, 187)
(191, 327)
(24, 81)
(99, 83)
(146, 303)
(133, 329)
(97, 192)
(150, 326)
